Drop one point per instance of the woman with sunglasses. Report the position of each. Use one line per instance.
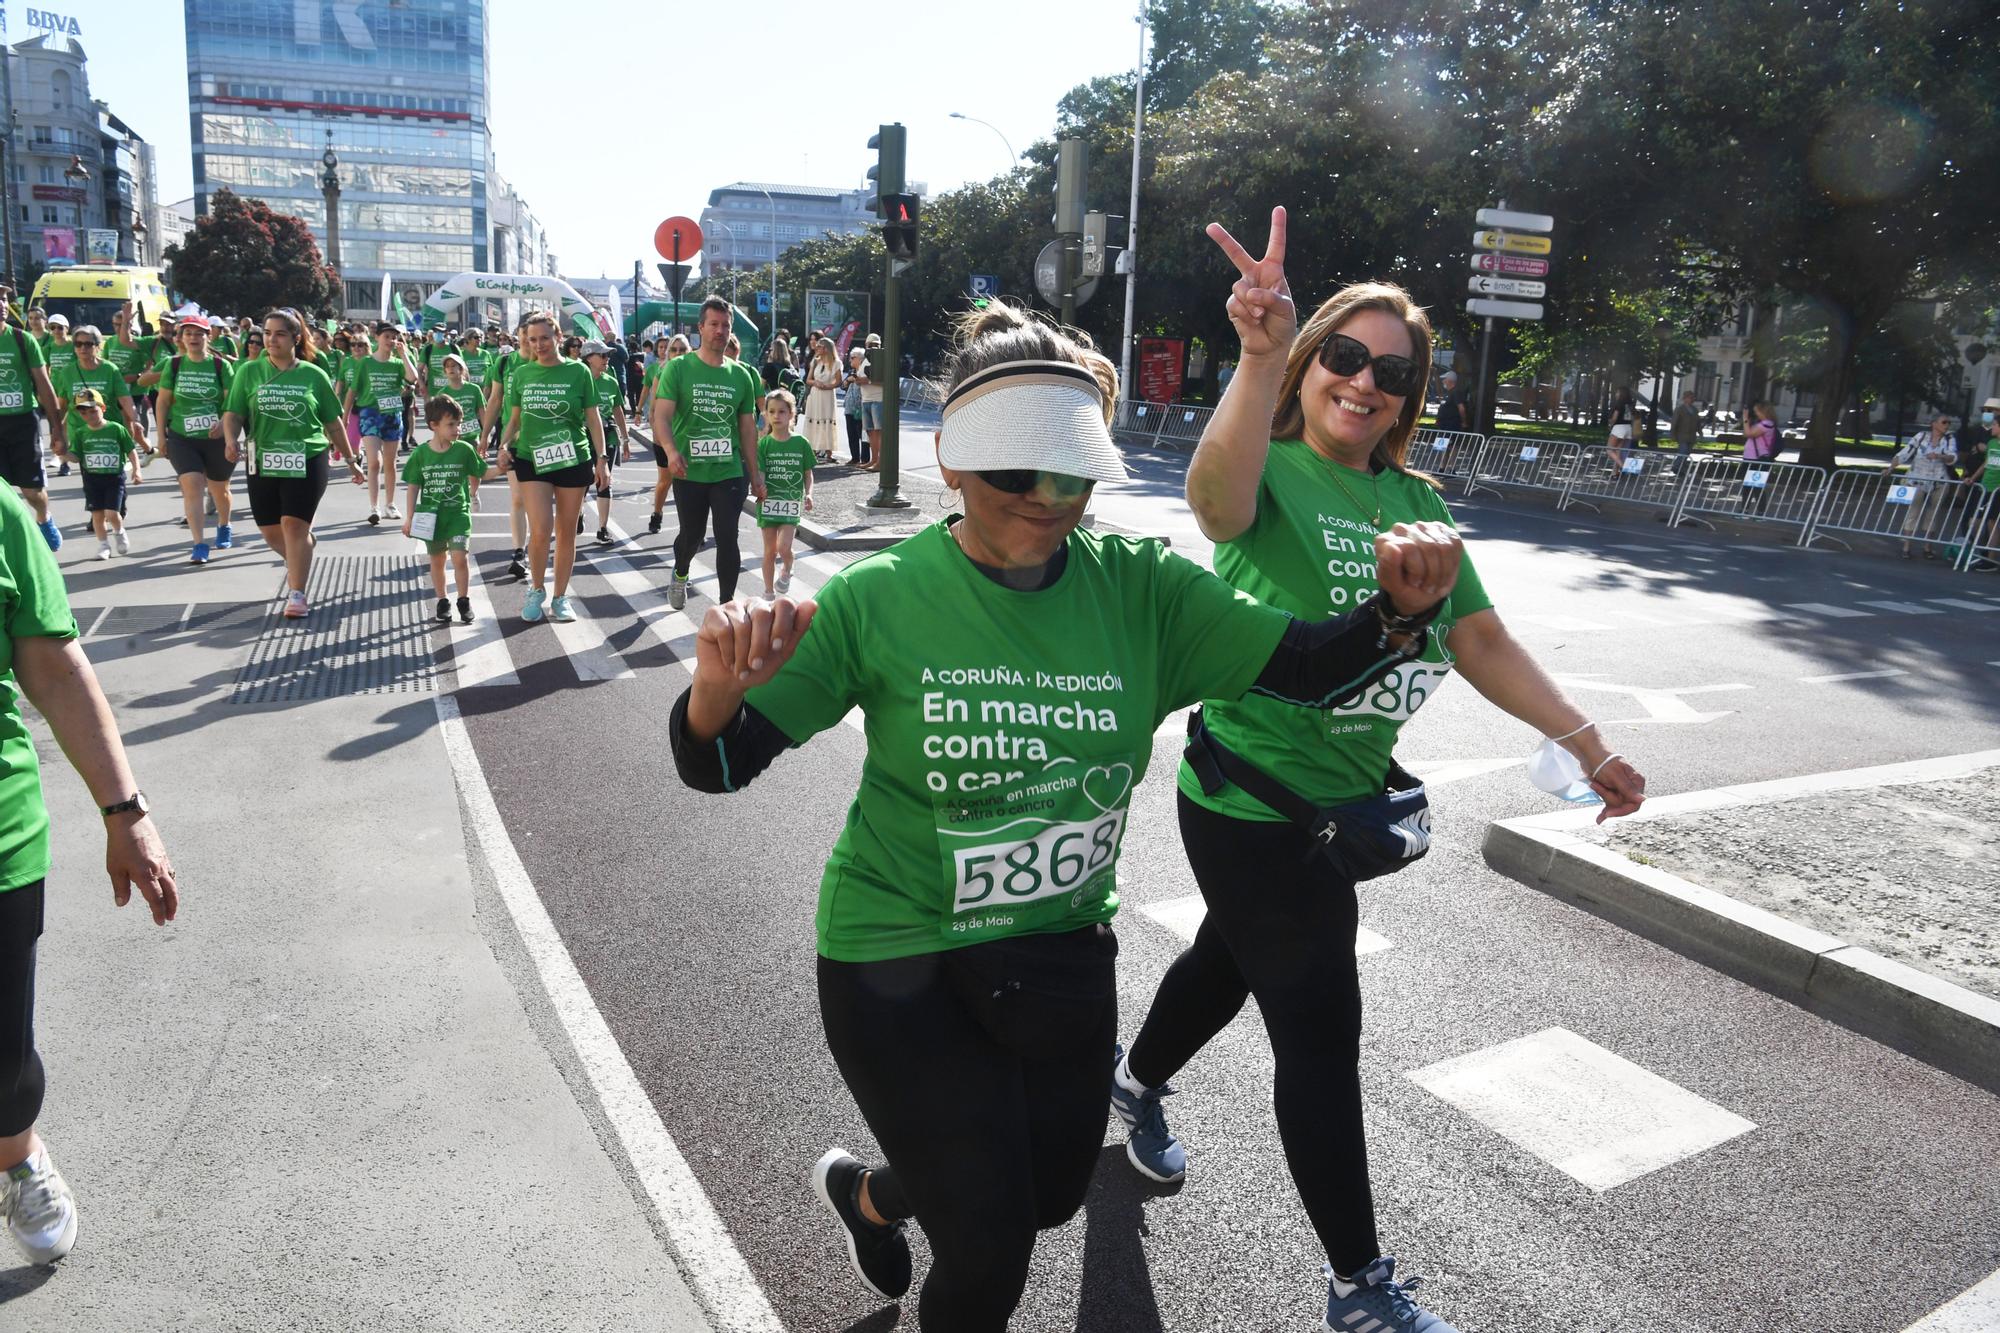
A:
(1011, 669)
(293, 417)
(1300, 468)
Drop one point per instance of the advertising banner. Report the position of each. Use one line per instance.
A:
(103, 242)
(1162, 367)
(59, 245)
(510, 286)
(844, 315)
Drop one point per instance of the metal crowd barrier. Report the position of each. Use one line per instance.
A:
(1134, 421)
(1982, 537)
(1524, 462)
(1181, 425)
(1635, 476)
(1446, 454)
(1872, 504)
(1755, 492)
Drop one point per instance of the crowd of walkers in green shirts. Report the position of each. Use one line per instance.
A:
(1011, 668)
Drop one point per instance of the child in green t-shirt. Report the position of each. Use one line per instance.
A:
(786, 461)
(106, 448)
(441, 474)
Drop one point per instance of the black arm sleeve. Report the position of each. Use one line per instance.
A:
(1325, 663)
(732, 760)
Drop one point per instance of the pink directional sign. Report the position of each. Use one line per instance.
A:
(1514, 265)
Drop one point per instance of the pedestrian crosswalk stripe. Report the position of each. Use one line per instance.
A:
(1852, 675)
(1832, 612)
(479, 651)
(1591, 1114)
(1183, 916)
(583, 641)
(1974, 1311)
(1960, 604)
(1905, 608)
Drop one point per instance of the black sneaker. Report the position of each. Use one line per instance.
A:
(653, 523)
(465, 610)
(444, 611)
(880, 1256)
(517, 568)
(579, 525)
(604, 536)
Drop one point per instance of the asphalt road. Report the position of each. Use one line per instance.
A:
(1861, 1198)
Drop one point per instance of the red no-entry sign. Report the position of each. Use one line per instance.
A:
(677, 238)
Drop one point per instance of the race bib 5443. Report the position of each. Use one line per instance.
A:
(784, 508)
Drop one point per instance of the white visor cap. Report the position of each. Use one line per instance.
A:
(1043, 416)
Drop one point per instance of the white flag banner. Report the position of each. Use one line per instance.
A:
(384, 314)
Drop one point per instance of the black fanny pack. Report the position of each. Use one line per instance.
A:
(1362, 839)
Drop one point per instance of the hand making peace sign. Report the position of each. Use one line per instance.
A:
(1260, 303)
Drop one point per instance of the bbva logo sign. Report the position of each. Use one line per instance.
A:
(50, 21)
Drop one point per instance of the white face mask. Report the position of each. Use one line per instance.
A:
(1557, 772)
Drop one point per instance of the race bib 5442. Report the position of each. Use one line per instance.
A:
(709, 448)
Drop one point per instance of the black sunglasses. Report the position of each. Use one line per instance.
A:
(1394, 375)
(83, 342)
(1021, 480)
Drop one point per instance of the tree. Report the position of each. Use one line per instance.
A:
(244, 258)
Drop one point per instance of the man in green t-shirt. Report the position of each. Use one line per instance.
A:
(40, 660)
(704, 414)
(24, 386)
(133, 352)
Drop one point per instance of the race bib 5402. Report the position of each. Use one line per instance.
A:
(100, 462)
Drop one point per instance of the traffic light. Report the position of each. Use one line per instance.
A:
(887, 173)
(899, 225)
(1102, 237)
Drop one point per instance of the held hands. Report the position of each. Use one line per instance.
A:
(1260, 303)
(676, 465)
(1416, 564)
(742, 644)
(758, 489)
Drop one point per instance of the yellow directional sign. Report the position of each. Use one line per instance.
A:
(1512, 244)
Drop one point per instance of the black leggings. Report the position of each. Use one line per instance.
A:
(694, 501)
(857, 447)
(982, 1074)
(20, 1066)
(1280, 926)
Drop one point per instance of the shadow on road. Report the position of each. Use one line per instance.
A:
(25, 1280)
(1117, 1294)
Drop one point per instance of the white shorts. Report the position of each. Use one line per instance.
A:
(1621, 432)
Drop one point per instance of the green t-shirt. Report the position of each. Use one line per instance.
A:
(443, 480)
(610, 399)
(786, 464)
(1311, 550)
(32, 605)
(554, 402)
(652, 376)
(200, 389)
(61, 357)
(709, 402)
(378, 385)
(103, 377)
(105, 449)
(20, 354)
(133, 359)
(1990, 478)
(471, 400)
(225, 344)
(1006, 730)
(286, 414)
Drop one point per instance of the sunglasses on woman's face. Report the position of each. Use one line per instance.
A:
(1019, 481)
(83, 342)
(1394, 375)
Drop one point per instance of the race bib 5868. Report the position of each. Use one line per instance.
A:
(1059, 858)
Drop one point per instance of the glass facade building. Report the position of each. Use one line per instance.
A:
(402, 85)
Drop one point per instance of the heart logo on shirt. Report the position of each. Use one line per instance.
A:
(1106, 785)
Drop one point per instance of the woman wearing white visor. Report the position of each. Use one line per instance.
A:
(1012, 670)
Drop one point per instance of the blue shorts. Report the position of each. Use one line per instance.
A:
(382, 427)
(871, 416)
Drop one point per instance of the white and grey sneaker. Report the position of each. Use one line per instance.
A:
(784, 583)
(124, 542)
(39, 1209)
(677, 592)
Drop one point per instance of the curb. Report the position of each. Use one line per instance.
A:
(1937, 1021)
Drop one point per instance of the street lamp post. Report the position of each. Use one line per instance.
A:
(736, 250)
(7, 192)
(1132, 213)
(1016, 157)
(78, 177)
(774, 260)
(329, 185)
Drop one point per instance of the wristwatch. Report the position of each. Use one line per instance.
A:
(135, 802)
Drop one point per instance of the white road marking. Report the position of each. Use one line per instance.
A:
(1183, 916)
(587, 646)
(1831, 612)
(1960, 604)
(1973, 1311)
(1905, 608)
(1642, 550)
(1595, 1116)
(708, 1257)
(1852, 675)
(1567, 624)
(478, 651)
(1660, 705)
(1464, 768)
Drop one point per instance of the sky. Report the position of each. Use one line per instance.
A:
(603, 122)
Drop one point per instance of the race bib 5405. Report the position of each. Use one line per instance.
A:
(203, 421)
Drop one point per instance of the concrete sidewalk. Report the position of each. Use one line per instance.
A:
(318, 1100)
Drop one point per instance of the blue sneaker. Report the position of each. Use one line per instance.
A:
(1153, 1152)
(224, 538)
(559, 609)
(1374, 1300)
(51, 534)
(533, 610)
(199, 555)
